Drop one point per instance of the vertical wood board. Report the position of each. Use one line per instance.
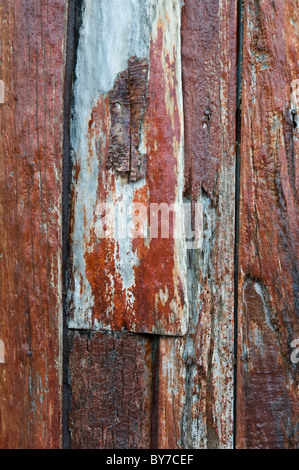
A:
(31, 123)
(127, 140)
(268, 323)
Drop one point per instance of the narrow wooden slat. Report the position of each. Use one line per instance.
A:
(111, 382)
(31, 121)
(127, 140)
(267, 382)
(195, 401)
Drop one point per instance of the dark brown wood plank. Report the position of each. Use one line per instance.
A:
(111, 382)
(31, 121)
(267, 381)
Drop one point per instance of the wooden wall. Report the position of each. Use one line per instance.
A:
(153, 101)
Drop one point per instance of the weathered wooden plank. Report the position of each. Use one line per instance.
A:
(111, 382)
(195, 403)
(127, 139)
(267, 381)
(31, 119)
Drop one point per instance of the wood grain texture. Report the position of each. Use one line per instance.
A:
(120, 281)
(267, 381)
(31, 121)
(111, 382)
(195, 396)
